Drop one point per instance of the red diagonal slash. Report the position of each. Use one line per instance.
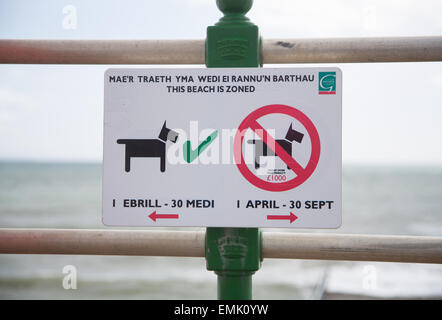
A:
(277, 149)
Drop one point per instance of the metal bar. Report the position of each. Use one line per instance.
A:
(331, 50)
(348, 50)
(102, 242)
(102, 51)
(353, 247)
(286, 245)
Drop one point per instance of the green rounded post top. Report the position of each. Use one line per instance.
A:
(234, 6)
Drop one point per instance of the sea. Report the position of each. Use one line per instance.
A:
(376, 200)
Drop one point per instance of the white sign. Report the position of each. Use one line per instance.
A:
(243, 147)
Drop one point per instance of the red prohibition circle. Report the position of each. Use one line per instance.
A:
(302, 174)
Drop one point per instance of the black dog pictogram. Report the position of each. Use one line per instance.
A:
(261, 149)
(149, 148)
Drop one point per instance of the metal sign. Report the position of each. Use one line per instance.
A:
(243, 147)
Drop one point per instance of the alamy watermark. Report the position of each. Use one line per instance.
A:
(70, 278)
(69, 17)
(370, 278)
(370, 18)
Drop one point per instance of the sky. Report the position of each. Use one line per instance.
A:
(392, 112)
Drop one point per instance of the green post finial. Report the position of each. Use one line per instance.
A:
(233, 41)
(234, 6)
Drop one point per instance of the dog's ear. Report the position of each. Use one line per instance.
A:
(294, 135)
(163, 133)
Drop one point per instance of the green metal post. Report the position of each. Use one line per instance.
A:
(233, 253)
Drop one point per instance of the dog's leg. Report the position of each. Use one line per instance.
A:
(257, 164)
(259, 151)
(127, 163)
(163, 163)
(289, 151)
(163, 158)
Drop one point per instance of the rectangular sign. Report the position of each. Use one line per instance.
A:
(242, 147)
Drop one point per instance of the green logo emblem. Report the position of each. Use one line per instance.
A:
(327, 83)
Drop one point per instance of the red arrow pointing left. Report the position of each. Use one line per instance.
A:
(154, 216)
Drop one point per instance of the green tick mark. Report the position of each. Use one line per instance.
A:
(190, 154)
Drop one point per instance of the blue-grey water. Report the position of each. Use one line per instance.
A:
(376, 200)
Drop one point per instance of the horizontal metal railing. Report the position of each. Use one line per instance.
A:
(329, 50)
(191, 244)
